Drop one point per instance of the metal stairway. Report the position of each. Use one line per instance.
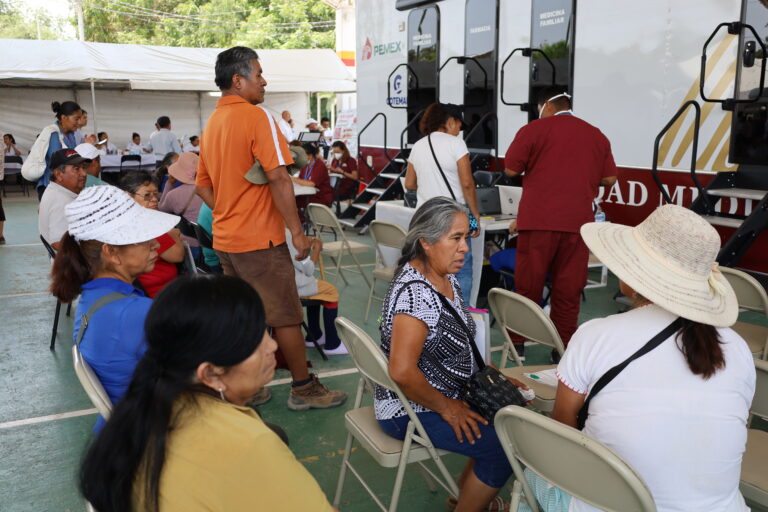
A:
(749, 182)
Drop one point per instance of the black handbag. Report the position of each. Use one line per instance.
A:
(581, 418)
(487, 390)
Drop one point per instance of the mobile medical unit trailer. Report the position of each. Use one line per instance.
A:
(630, 66)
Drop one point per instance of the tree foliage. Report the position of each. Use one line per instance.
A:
(27, 24)
(259, 24)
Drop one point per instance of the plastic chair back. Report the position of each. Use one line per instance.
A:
(130, 158)
(323, 217)
(524, 317)
(568, 459)
(91, 384)
(760, 400)
(749, 292)
(373, 364)
(205, 239)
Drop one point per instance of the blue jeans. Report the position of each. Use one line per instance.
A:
(465, 276)
(491, 464)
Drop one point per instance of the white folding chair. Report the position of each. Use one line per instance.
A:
(384, 234)
(91, 384)
(594, 262)
(363, 427)
(754, 464)
(323, 217)
(566, 458)
(522, 316)
(752, 297)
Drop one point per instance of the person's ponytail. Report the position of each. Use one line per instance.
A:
(56, 107)
(700, 344)
(73, 266)
(133, 442)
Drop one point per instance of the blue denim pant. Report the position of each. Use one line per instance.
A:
(491, 464)
(465, 276)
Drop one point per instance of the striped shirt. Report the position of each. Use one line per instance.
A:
(237, 134)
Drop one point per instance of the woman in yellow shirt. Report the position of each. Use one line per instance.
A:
(181, 438)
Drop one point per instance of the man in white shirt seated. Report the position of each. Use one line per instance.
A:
(67, 180)
(163, 141)
(286, 126)
(135, 147)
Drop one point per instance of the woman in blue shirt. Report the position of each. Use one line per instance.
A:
(111, 240)
(68, 115)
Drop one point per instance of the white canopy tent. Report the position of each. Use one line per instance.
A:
(131, 85)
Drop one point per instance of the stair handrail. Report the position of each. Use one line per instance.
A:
(734, 27)
(527, 52)
(694, 152)
(411, 74)
(462, 59)
(415, 119)
(360, 134)
(487, 115)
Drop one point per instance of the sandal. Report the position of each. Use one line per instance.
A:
(496, 505)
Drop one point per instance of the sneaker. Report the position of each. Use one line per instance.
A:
(314, 395)
(320, 341)
(338, 351)
(262, 397)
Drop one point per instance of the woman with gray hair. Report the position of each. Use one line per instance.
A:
(430, 354)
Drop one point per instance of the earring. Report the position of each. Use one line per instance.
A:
(221, 394)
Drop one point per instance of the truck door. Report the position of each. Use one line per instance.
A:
(480, 46)
(423, 59)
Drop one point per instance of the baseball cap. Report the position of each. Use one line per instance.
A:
(88, 151)
(109, 215)
(454, 111)
(66, 156)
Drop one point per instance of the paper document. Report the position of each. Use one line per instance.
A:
(548, 377)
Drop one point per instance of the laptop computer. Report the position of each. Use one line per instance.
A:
(509, 199)
(488, 201)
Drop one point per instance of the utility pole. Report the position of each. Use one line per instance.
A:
(80, 19)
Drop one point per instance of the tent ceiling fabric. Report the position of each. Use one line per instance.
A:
(165, 68)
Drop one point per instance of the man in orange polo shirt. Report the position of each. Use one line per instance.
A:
(249, 219)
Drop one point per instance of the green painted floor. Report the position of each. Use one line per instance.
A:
(40, 450)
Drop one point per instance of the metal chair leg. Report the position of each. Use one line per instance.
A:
(55, 325)
(314, 341)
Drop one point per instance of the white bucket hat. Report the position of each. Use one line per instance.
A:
(669, 259)
(107, 214)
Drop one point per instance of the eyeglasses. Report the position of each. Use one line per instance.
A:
(149, 196)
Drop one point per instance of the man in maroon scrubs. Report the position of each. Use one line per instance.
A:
(564, 160)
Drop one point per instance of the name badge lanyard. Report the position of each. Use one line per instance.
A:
(308, 175)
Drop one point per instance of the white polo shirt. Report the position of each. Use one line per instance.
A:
(51, 220)
(163, 142)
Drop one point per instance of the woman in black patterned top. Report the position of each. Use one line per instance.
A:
(429, 352)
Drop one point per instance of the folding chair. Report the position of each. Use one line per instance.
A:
(130, 158)
(594, 262)
(385, 234)
(52, 254)
(563, 456)
(186, 228)
(524, 317)
(754, 464)
(14, 171)
(362, 426)
(91, 384)
(189, 261)
(752, 297)
(205, 238)
(323, 217)
(311, 302)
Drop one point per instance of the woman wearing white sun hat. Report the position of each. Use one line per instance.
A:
(110, 241)
(677, 413)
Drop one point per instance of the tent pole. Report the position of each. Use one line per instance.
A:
(199, 113)
(93, 102)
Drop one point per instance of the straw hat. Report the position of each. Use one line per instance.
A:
(107, 214)
(670, 260)
(185, 168)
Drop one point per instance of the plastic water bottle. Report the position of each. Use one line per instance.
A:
(599, 213)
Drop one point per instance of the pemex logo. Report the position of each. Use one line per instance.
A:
(367, 49)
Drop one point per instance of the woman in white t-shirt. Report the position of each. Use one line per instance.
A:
(677, 414)
(441, 125)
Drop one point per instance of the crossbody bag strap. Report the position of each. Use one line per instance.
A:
(98, 304)
(439, 168)
(454, 313)
(616, 370)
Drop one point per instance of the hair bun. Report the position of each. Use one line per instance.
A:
(56, 107)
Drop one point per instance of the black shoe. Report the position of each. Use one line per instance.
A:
(555, 357)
